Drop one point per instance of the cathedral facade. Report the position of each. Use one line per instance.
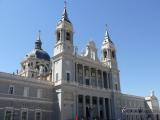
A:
(70, 85)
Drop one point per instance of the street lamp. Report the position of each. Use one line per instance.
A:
(123, 110)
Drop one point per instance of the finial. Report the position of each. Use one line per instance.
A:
(107, 36)
(38, 42)
(39, 35)
(107, 33)
(65, 3)
(65, 15)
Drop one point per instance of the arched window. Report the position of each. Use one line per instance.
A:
(58, 35)
(68, 36)
(113, 54)
(68, 76)
(105, 54)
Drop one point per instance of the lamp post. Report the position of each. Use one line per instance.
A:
(123, 110)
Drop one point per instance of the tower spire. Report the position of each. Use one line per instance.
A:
(107, 36)
(38, 43)
(39, 35)
(65, 4)
(64, 34)
(107, 33)
(65, 14)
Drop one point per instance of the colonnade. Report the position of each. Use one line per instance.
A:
(93, 77)
(91, 107)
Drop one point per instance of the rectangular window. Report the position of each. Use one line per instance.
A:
(24, 115)
(94, 100)
(8, 115)
(39, 93)
(87, 100)
(56, 76)
(11, 89)
(80, 99)
(26, 91)
(68, 76)
(38, 116)
(101, 101)
(87, 81)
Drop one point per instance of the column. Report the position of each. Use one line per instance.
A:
(109, 107)
(108, 81)
(104, 108)
(89, 76)
(53, 72)
(75, 105)
(91, 101)
(84, 105)
(91, 107)
(98, 106)
(77, 110)
(102, 79)
(83, 72)
(97, 77)
(76, 78)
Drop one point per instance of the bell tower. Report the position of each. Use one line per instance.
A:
(64, 35)
(108, 52)
(63, 58)
(109, 59)
(63, 66)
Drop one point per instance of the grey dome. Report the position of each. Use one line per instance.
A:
(40, 54)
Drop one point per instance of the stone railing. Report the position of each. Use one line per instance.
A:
(21, 78)
(85, 86)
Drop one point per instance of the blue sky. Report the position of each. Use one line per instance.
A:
(133, 26)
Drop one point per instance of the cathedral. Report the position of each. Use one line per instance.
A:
(71, 86)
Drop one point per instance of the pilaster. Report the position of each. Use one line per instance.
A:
(84, 106)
